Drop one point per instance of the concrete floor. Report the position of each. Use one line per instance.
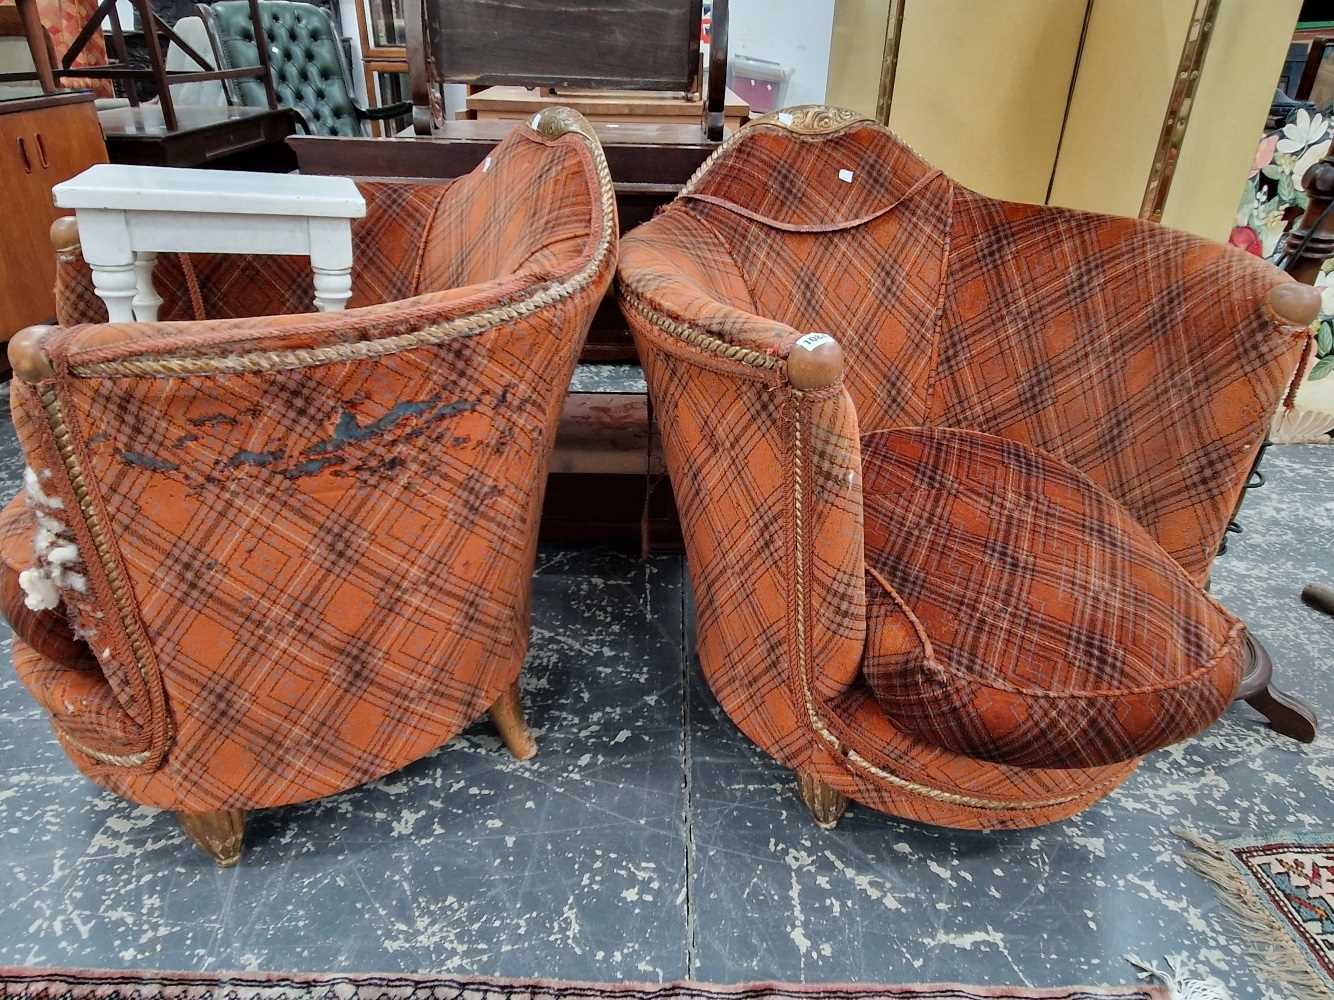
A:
(649, 840)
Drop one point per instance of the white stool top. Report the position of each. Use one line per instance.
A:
(234, 192)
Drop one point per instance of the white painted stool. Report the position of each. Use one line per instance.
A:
(127, 215)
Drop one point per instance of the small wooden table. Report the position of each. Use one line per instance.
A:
(214, 136)
(129, 214)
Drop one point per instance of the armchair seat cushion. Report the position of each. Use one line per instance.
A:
(1018, 614)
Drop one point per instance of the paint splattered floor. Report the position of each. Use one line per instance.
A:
(649, 840)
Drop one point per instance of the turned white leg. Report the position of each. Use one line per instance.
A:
(331, 262)
(117, 286)
(128, 214)
(105, 237)
(146, 299)
(333, 287)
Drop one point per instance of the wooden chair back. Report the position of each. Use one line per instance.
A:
(629, 45)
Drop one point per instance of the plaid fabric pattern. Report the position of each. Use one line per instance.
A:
(944, 321)
(387, 245)
(465, 246)
(1142, 356)
(875, 285)
(332, 562)
(1019, 614)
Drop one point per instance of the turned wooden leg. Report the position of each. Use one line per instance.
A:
(219, 833)
(1288, 715)
(825, 804)
(507, 715)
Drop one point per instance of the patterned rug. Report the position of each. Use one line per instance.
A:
(55, 984)
(1280, 893)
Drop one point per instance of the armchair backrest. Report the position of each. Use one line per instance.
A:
(838, 227)
(307, 61)
(1146, 357)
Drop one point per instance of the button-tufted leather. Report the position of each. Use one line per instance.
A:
(307, 67)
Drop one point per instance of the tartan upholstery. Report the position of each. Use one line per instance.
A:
(1017, 613)
(328, 556)
(1142, 357)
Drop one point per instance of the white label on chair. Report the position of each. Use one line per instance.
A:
(810, 341)
(845, 175)
(785, 118)
(486, 164)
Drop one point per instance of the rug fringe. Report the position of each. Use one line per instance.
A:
(1267, 941)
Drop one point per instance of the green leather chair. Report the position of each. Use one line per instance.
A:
(308, 70)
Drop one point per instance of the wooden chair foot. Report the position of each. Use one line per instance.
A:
(825, 804)
(1288, 715)
(1320, 597)
(507, 716)
(219, 833)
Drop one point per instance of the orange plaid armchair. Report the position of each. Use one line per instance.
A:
(951, 470)
(265, 555)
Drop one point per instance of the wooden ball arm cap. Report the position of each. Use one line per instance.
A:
(26, 355)
(814, 362)
(1294, 303)
(64, 233)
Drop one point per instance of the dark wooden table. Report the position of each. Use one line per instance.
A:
(226, 137)
(649, 164)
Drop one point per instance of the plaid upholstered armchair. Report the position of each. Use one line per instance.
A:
(266, 555)
(951, 470)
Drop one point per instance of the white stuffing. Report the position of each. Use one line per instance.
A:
(36, 495)
(57, 553)
(63, 555)
(39, 590)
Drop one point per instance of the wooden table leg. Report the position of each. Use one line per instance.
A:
(146, 299)
(331, 262)
(104, 235)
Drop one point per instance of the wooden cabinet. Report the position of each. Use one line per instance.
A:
(43, 141)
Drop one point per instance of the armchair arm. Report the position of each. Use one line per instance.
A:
(83, 661)
(1150, 359)
(384, 113)
(762, 445)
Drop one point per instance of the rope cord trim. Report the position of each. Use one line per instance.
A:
(697, 336)
(120, 590)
